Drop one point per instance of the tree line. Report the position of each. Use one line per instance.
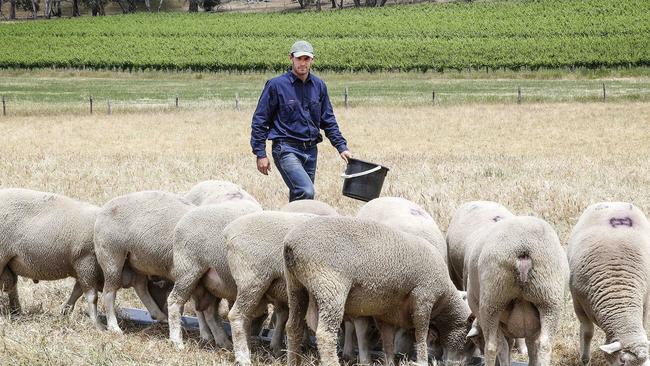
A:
(52, 8)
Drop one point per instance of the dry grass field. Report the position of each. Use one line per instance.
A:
(550, 160)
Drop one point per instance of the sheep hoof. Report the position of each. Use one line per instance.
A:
(227, 345)
(116, 330)
(66, 309)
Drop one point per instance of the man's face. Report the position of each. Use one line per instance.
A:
(301, 65)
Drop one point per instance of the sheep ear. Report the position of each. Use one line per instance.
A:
(472, 333)
(612, 347)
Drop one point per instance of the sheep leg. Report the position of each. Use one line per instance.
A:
(278, 333)
(68, 306)
(109, 304)
(361, 329)
(520, 345)
(8, 284)
(216, 327)
(142, 290)
(248, 299)
(91, 298)
(387, 332)
(112, 266)
(206, 334)
(490, 327)
(541, 353)
(348, 347)
(331, 304)
(298, 300)
(421, 317)
(586, 332)
(181, 292)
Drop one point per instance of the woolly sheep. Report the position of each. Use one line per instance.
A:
(200, 261)
(400, 214)
(517, 274)
(363, 268)
(46, 236)
(217, 191)
(310, 206)
(609, 258)
(255, 258)
(134, 233)
(466, 225)
(407, 216)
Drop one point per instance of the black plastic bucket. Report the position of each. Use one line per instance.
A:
(363, 180)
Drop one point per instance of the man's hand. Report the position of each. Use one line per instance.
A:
(264, 165)
(345, 155)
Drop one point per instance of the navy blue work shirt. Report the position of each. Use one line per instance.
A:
(291, 109)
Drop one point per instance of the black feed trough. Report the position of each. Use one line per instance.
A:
(142, 317)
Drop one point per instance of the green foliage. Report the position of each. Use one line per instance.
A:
(501, 34)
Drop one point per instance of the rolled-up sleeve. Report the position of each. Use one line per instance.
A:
(329, 124)
(262, 119)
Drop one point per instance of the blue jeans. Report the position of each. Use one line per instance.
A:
(297, 165)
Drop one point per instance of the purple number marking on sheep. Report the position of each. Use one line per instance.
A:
(234, 195)
(417, 212)
(615, 222)
(497, 218)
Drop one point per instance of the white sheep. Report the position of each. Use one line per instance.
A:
(201, 263)
(517, 275)
(337, 266)
(310, 206)
(134, 233)
(255, 258)
(465, 226)
(46, 236)
(217, 191)
(609, 258)
(404, 215)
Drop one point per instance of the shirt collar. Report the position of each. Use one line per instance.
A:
(293, 77)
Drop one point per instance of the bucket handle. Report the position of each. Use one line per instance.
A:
(346, 176)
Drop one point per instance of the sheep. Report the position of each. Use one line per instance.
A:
(517, 273)
(364, 268)
(310, 206)
(465, 227)
(46, 236)
(400, 214)
(217, 191)
(407, 216)
(255, 246)
(609, 258)
(134, 233)
(200, 262)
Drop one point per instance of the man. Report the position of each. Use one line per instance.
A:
(292, 110)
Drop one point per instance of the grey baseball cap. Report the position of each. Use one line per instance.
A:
(302, 48)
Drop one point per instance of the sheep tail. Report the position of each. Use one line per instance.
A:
(524, 264)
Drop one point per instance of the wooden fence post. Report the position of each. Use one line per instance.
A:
(518, 95)
(176, 96)
(604, 92)
(91, 104)
(433, 97)
(345, 98)
(4, 106)
(109, 107)
(237, 102)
